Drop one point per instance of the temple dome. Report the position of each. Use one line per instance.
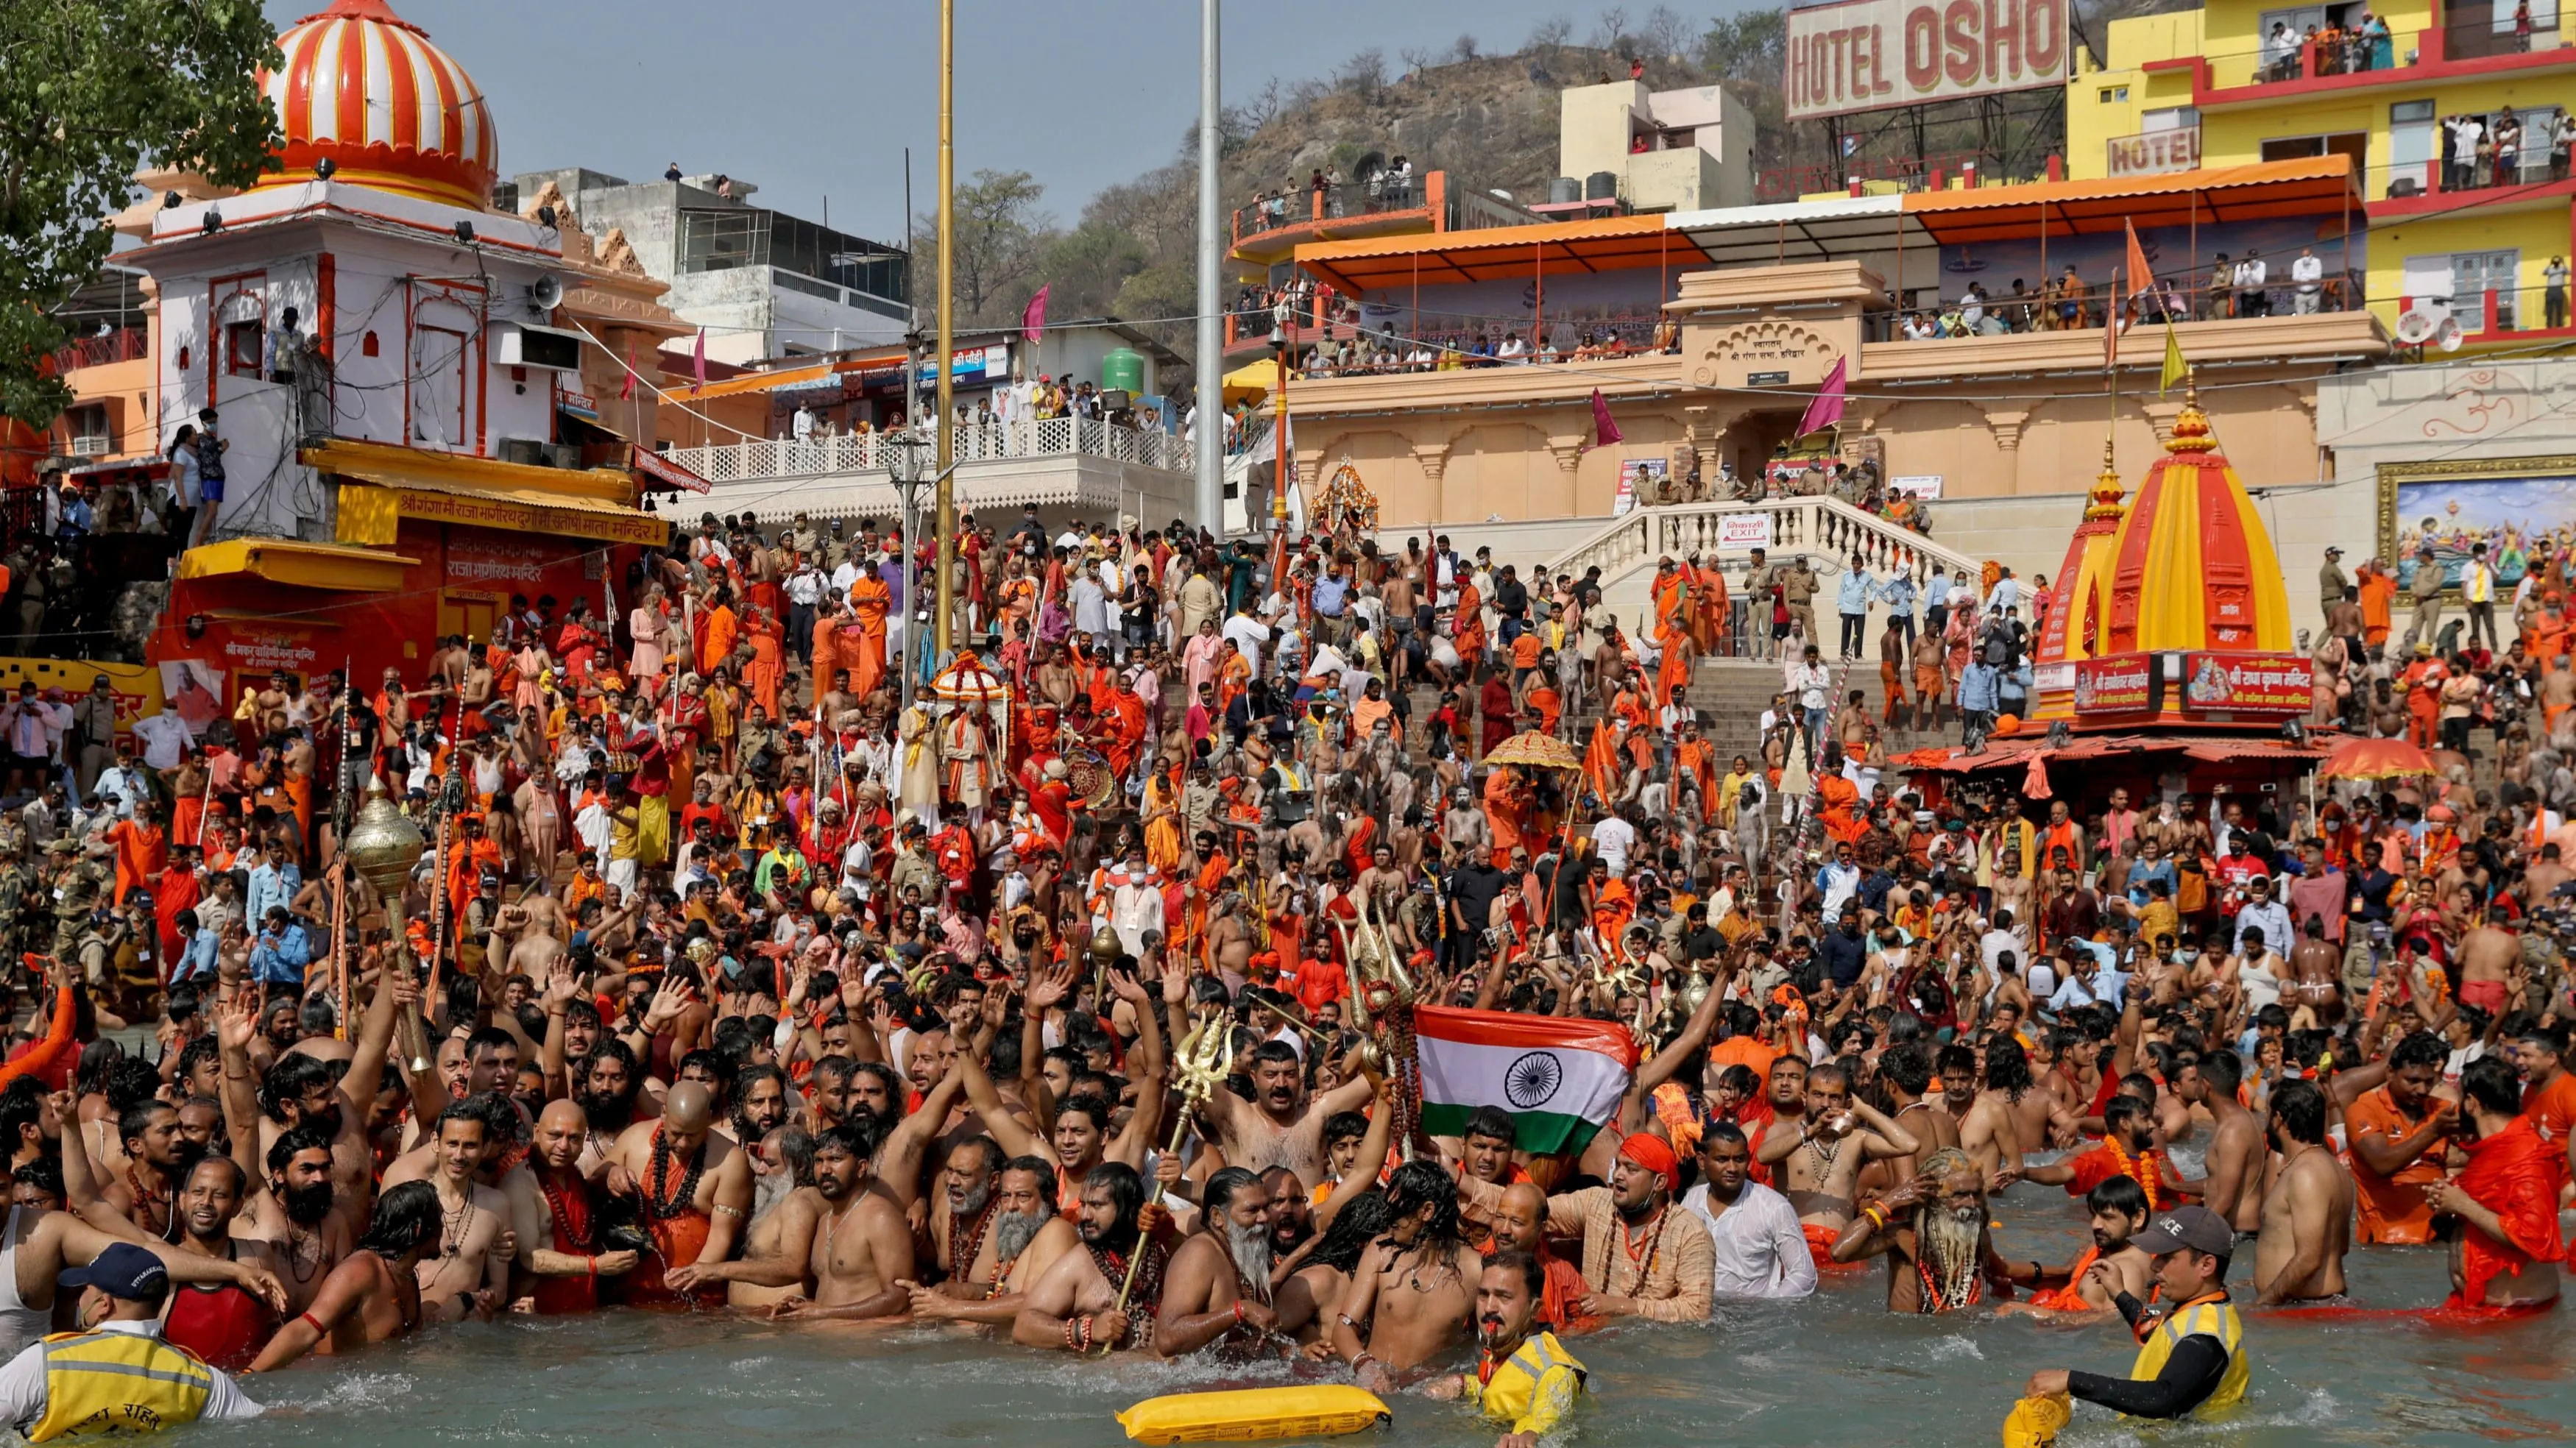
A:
(365, 89)
(2193, 566)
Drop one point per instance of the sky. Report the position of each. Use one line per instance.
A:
(817, 99)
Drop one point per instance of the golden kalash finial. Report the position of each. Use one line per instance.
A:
(2108, 500)
(2191, 428)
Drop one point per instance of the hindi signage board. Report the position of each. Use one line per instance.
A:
(1743, 531)
(2117, 684)
(1865, 55)
(2247, 683)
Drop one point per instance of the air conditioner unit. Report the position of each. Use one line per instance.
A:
(527, 452)
(549, 349)
(89, 447)
(565, 455)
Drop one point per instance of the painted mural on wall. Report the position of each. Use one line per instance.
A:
(2511, 516)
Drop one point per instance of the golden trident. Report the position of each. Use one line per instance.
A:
(1198, 1069)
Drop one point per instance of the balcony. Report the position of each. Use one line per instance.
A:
(122, 344)
(2185, 296)
(2266, 75)
(1080, 466)
(1268, 229)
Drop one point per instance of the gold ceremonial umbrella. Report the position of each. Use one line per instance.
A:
(1536, 749)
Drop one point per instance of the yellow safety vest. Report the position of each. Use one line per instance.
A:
(1534, 1388)
(99, 1383)
(2216, 1317)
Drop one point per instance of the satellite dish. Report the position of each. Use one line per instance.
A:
(2447, 336)
(2416, 326)
(546, 295)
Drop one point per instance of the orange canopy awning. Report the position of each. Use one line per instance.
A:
(2310, 186)
(1446, 258)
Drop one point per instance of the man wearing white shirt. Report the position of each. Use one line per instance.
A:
(166, 739)
(2251, 274)
(2307, 275)
(1760, 1247)
(1613, 838)
(2090, 982)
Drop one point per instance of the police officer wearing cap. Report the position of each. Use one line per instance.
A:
(118, 1376)
(2191, 1353)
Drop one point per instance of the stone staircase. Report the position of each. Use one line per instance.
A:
(1827, 531)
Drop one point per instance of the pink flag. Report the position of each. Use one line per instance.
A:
(701, 359)
(1032, 320)
(1605, 429)
(1827, 408)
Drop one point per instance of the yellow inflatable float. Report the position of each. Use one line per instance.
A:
(2036, 1422)
(1321, 1411)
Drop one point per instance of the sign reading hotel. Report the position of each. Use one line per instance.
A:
(2119, 684)
(2155, 153)
(1865, 55)
(2247, 683)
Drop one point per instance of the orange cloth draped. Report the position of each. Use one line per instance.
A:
(2378, 593)
(465, 870)
(2512, 1175)
(1839, 808)
(1820, 1246)
(1365, 712)
(768, 667)
(1506, 809)
(826, 659)
(1468, 630)
(1699, 758)
(1672, 602)
(1363, 842)
(717, 632)
(1125, 717)
(1612, 909)
(1601, 761)
(1234, 676)
(1673, 669)
(1550, 708)
(142, 852)
(870, 600)
(2069, 1298)
(1708, 617)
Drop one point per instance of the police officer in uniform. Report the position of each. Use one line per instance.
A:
(1798, 588)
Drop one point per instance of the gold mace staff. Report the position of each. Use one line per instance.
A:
(1196, 1069)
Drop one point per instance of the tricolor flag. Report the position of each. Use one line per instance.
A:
(1561, 1078)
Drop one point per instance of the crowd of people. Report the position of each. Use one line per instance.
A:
(2248, 286)
(751, 970)
(2499, 148)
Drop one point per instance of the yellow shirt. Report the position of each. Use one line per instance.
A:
(1533, 1390)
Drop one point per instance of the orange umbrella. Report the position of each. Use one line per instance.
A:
(2376, 759)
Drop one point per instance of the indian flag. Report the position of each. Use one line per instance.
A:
(1560, 1078)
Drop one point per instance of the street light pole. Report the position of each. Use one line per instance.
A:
(943, 618)
(1210, 446)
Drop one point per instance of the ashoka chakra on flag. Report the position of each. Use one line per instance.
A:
(1561, 1079)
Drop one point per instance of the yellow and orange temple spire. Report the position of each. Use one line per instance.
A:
(2083, 583)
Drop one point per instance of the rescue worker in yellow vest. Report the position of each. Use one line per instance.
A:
(2191, 1355)
(1524, 1377)
(118, 1376)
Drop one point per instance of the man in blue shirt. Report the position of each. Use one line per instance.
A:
(1898, 592)
(1331, 592)
(1977, 695)
(1851, 600)
(196, 956)
(281, 950)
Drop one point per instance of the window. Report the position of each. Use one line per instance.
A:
(244, 342)
(2411, 148)
(2113, 95)
(2355, 144)
(89, 430)
(2476, 273)
(2170, 118)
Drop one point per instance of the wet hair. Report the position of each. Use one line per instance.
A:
(1219, 1193)
(2423, 1048)
(1362, 1220)
(488, 1038)
(1722, 1131)
(1739, 1078)
(2117, 1194)
(44, 1173)
(466, 1110)
(1492, 1123)
(2121, 1111)
(1417, 1183)
(2007, 1068)
(290, 1079)
(994, 1157)
(310, 1136)
(95, 1060)
(1094, 1106)
(856, 1138)
(2222, 1069)
(241, 1179)
(1957, 1062)
(135, 1120)
(1533, 1274)
(1125, 1187)
(882, 1074)
(405, 1216)
(132, 1083)
(2299, 1109)
(1909, 1066)
(198, 1051)
(2492, 1083)
(21, 1106)
(1339, 1127)
(796, 1153)
(1273, 1053)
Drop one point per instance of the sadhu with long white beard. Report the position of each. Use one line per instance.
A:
(1932, 1230)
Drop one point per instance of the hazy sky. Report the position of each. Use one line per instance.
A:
(818, 98)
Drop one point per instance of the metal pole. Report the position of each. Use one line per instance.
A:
(1210, 447)
(910, 499)
(942, 621)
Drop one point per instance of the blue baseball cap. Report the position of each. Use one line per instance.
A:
(123, 1270)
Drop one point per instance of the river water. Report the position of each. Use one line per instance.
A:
(1836, 1370)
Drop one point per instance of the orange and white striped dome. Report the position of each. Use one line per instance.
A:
(365, 89)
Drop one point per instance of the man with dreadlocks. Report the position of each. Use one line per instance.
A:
(1932, 1230)
(1218, 1290)
(2011, 1116)
(1381, 1331)
(1076, 1305)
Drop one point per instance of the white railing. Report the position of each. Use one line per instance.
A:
(1827, 531)
(758, 459)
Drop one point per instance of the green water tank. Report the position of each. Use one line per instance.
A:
(1123, 369)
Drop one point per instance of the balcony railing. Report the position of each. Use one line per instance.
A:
(2186, 296)
(124, 344)
(1044, 437)
(2313, 58)
(2533, 162)
(1306, 205)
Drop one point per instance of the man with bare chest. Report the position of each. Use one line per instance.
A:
(1818, 1166)
(862, 1252)
(466, 1270)
(1411, 1294)
(1000, 1233)
(1279, 1126)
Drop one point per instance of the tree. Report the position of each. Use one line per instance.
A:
(91, 92)
(1752, 47)
(999, 232)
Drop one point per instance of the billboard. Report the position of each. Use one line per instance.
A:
(1865, 55)
(2154, 153)
(2120, 684)
(2247, 683)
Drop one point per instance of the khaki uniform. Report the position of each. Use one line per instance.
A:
(2427, 593)
(1757, 609)
(2331, 583)
(1798, 586)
